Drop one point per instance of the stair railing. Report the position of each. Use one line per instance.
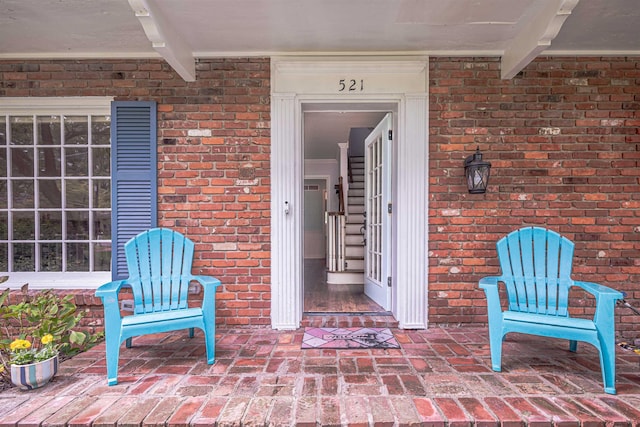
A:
(336, 237)
(340, 191)
(336, 234)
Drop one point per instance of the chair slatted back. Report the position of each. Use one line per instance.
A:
(536, 267)
(159, 262)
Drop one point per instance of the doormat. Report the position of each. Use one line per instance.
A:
(341, 338)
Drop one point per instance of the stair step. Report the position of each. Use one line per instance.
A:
(355, 159)
(356, 192)
(354, 251)
(355, 209)
(356, 218)
(353, 228)
(355, 264)
(345, 277)
(355, 200)
(356, 185)
(353, 239)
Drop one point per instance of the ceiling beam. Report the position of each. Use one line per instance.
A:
(165, 39)
(535, 36)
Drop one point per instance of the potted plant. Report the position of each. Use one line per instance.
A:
(34, 333)
(32, 366)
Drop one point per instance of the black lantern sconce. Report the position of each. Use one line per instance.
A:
(477, 173)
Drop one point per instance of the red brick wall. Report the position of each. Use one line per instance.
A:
(564, 142)
(208, 131)
(562, 137)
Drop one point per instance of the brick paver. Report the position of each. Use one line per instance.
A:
(440, 377)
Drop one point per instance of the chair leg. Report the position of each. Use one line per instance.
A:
(190, 332)
(210, 339)
(113, 354)
(573, 346)
(495, 342)
(128, 342)
(608, 365)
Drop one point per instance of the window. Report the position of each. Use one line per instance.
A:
(55, 186)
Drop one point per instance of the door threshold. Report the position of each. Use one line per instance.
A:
(347, 314)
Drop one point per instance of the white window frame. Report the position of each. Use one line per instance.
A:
(60, 106)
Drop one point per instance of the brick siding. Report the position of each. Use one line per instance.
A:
(564, 143)
(562, 137)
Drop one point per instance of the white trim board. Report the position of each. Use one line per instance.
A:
(385, 83)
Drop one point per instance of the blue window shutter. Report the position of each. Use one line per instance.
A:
(134, 186)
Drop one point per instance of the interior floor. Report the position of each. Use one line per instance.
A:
(321, 297)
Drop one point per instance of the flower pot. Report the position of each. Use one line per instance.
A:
(34, 375)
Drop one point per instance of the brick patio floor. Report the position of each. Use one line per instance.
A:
(440, 377)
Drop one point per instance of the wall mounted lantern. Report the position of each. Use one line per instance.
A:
(477, 173)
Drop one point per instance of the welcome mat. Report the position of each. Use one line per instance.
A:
(340, 338)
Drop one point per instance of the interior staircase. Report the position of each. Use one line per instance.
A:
(354, 240)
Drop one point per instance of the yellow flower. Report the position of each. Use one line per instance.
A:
(47, 339)
(19, 345)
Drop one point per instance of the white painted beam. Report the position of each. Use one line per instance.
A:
(165, 39)
(536, 36)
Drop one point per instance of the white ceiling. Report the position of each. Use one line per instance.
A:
(183, 31)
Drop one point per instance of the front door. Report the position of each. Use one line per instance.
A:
(377, 161)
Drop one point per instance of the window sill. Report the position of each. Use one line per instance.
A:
(56, 280)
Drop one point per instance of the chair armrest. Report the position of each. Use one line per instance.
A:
(111, 288)
(207, 281)
(490, 286)
(489, 281)
(209, 285)
(109, 295)
(605, 304)
(598, 290)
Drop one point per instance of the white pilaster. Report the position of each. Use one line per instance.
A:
(286, 214)
(411, 213)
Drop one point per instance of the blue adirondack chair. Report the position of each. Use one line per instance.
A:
(536, 271)
(159, 263)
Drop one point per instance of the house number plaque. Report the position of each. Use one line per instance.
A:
(350, 85)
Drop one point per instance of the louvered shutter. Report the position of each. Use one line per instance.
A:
(134, 191)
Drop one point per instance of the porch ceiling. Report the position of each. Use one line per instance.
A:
(183, 31)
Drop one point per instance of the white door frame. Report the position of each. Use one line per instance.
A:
(398, 81)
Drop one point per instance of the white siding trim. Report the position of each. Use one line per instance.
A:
(390, 81)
